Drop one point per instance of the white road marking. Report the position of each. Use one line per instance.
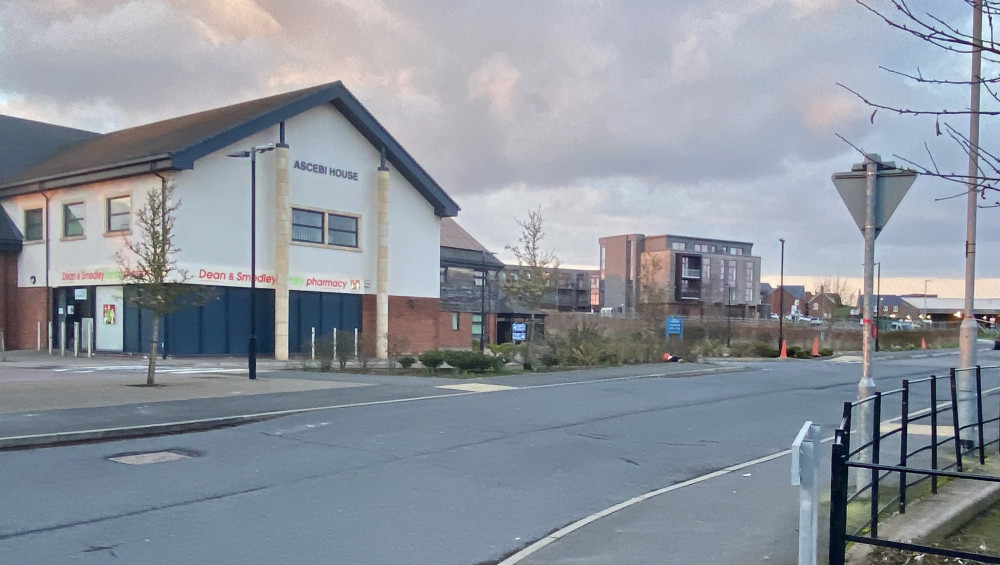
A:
(478, 387)
(147, 458)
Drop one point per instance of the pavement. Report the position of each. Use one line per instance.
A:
(48, 400)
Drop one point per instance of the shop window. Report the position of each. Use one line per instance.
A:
(119, 213)
(307, 226)
(33, 226)
(73, 220)
(342, 230)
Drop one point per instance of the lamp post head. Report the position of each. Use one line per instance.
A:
(239, 154)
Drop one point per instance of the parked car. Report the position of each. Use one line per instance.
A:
(774, 316)
(900, 325)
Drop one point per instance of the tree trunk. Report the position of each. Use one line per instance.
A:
(153, 342)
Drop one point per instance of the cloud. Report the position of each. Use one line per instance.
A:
(614, 117)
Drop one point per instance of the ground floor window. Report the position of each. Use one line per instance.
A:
(477, 326)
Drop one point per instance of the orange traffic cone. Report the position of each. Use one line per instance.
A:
(923, 343)
(784, 352)
(815, 352)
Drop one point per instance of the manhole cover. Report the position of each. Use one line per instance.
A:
(152, 457)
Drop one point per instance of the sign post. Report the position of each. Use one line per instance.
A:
(871, 190)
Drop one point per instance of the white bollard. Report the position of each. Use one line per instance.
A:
(39, 337)
(312, 341)
(334, 343)
(805, 474)
(90, 338)
(62, 338)
(355, 343)
(50, 339)
(76, 339)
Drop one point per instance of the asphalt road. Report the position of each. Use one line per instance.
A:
(461, 479)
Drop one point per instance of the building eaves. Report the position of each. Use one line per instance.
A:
(177, 143)
(24, 143)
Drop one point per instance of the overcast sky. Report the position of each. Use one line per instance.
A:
(712, 118)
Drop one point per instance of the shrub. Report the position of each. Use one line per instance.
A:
(470, 361)
(432, 360)
(550, 360)
(766, 351)
(406, 361)
(825, 352)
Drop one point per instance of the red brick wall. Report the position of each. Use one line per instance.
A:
(413, 322)
(20, 308)
(455, 339)
(31, 309)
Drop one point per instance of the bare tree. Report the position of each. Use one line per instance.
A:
(834, 286)
(149, 268)
(935, 29)
(652, 293)
(535, 272)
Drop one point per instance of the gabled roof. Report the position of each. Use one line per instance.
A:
(796, 291)
(176, 144)
(460, 249)
(765, 288)
(10, 236)
(24, 143)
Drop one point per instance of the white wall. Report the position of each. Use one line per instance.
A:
(213, 222)
(81, 261)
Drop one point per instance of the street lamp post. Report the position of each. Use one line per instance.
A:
(925, 303)
(252, 341)
(878, 301)
(781, 297)
(729, 316)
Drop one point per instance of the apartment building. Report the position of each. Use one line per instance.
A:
(689, 276)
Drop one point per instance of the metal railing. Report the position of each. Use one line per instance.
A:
(901, 458)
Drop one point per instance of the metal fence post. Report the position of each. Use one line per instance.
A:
(90, 337)
(904, 430)
(954, 422)
(76, 339)
(312, 342)
(805, 473)
(838, 497)
(934, 433)
(876, 443)
(38, 336)
(50, 338)
(979, 413)
(62, 338)
(355, 343)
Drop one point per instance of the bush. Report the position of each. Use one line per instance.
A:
(470, 361)
(766, 351)
(432, 360)
(550, 360)
(406, 361)
(825, 352)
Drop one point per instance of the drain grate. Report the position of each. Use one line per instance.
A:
(150, 457)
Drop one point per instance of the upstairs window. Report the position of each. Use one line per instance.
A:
(307, 226)
(33, 226)
(119, 213)
(342, 230)
(73, 220)
(321, 227)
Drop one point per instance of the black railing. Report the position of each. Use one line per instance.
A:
(919, 459)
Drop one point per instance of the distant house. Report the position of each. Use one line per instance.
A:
(789, 299)
(469, 289)
(823, 305)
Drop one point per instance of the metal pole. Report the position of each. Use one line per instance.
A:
(878, 302)
(781, 297)
(866, 386)
(76, 339)
(969, 329)
(50, 339)
(90, 338)
(38, 336)
(312, 341)
(729, 320)
(482, 308)
(252, 343)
